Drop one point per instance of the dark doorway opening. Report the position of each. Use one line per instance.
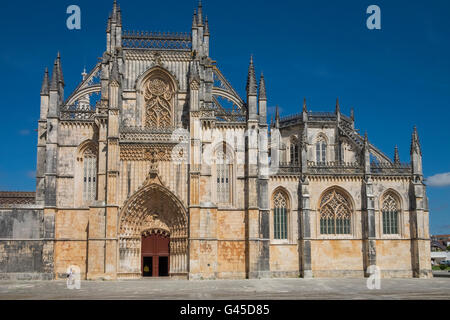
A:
(163, 266)
(147, 270)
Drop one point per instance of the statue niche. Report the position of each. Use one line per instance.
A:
(159, 97)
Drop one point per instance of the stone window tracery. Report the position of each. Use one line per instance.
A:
(321, 149)
(335, 213)
(294, 151)
(224, 169)
(159, 96)
(390, 211)
(89, 174)
(280, 216)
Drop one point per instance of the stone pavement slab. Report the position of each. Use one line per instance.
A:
(286, 289)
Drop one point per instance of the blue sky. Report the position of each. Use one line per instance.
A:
(395, 78)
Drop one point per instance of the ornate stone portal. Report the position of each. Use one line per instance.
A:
(153, 207)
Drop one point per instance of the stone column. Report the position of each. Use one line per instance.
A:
(304, 230)
(264, 205)
(368, 225)
(420, 237)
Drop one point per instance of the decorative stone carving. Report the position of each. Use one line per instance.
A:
(158, 96)
(151, 153)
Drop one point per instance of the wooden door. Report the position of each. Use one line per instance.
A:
(155, 247)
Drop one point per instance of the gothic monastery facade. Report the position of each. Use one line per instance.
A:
(155, 166)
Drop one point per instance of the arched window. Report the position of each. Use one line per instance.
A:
(159, 96)
(335, 213)
(280, 215)
(89, 173)
(224, 172)
(294, 151)
(321, 149)
(390, 210)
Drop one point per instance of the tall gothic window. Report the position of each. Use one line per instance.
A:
(224, 171)
(280, 216)
(335, 213)
(159, 94)
(294, 153)
(321, 150)
(390, 214)
(89, 174)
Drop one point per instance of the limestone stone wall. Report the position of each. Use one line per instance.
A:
(284, 260)
(337, 258)
(21, 245)
(394, 258)
(71, 230)
(231, 244)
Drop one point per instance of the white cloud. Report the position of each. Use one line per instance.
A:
(439, 180)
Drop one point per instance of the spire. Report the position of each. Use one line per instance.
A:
(200, 14)
(45, 84)
(416, 156)
(114, 12)
(108, 27)
(305, 109)
(84, 74)
(115, 76)
(251, 79)
(396, 156)
(262, 88)
(55, 77)
(415, 143)
(119, 16)
(338, 107)
(365, 143)
(366, 154)
(60, 73)
(206, 26)
(194, 20)
(352, 114)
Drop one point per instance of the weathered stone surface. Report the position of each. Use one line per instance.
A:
(142, 147)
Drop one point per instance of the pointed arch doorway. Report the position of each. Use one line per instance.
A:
(153, 233)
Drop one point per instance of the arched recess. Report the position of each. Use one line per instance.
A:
(157, 103)
(294, 147)
(336, 212)
(223, 175)
(321, 148)
(86, 170)
(391, 217)
(152, 207)
(281, 226)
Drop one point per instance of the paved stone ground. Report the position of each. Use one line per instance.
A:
(165, 289)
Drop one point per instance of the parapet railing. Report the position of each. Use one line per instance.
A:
(389, 169)
(314, 116)
(156, 40)
(335, 167)
(74, 114)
